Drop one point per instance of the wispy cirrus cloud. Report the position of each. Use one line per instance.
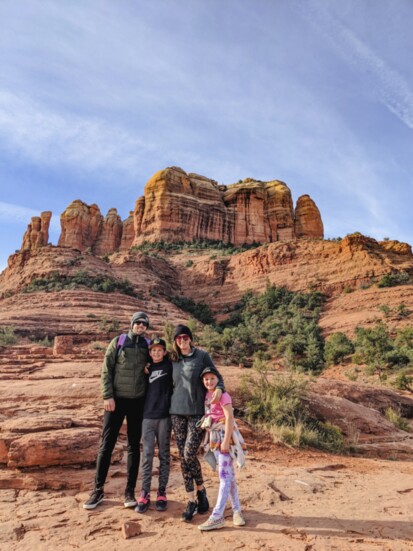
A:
(383, 81)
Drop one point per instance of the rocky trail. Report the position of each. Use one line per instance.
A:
(50, 418)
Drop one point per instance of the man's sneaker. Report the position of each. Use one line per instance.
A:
(95, 498)
(238, 519)
(190, 511)
(161, 501)
(202, 501)
(213, 523)
(130, 500)
(143, 502)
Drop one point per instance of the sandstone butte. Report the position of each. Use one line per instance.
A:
(50, 413)
(185, 207)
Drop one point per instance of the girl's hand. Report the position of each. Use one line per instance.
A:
(216, 397)
(224, 448)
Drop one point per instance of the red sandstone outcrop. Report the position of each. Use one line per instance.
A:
(177, 206)
(308, 221)
(81, 225)
(128, 233)
(396, 246)
(110, 237)
(185, 207)
(37, 233)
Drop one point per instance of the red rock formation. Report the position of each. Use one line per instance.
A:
(185, 207)
(395, 246)
(308, 221)
(81, 225)
(37, 233)
(128, 233)
(109, 239)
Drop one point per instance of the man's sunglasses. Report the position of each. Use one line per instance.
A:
(183, 338)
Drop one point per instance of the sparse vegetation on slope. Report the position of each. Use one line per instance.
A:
(278, 322)
(7, 336)
(179, 246)
(383, 353)
(101, 283)
(277, 403)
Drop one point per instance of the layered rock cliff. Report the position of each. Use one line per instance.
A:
(183, 207)
(177, 206)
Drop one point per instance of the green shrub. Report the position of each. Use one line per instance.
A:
(394, 278)
(7, 336)
(168, 332)
(99, 283)
(396, 418)
(337, 347)
(201, 311)
(404, 380)
(277, 321)
(278, 405)
(46, 341)
(109, 325)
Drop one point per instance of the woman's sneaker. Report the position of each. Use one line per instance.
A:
(161, 502)
(238, 519)
(95, 498)
(143, 502)
(213, 523)
(202, 501)
(190, 511)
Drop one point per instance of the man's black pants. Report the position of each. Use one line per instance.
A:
(132, 409)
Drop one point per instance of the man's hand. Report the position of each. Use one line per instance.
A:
(216, 397)
(109, 404)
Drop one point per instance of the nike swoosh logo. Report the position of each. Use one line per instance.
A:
(156, 375)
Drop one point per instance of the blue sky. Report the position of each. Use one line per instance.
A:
(97, 95)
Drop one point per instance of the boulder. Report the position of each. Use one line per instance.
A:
(55, 447)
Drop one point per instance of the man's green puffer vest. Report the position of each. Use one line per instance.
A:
(123, 370)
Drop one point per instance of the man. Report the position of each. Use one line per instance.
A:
(123, 384)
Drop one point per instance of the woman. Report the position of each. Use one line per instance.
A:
(187, 409)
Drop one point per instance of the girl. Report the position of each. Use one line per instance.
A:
(220, 418)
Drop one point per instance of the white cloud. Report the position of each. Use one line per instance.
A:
(55, 139)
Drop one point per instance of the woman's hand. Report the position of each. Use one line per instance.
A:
(109, 404)
(216, 397)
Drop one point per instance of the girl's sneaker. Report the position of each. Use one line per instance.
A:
(161, 502)
(213, 523)
(238, 519)
(143, 502)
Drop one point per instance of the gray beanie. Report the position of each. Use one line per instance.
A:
(139, 316)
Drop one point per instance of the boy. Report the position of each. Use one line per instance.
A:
(156, 424)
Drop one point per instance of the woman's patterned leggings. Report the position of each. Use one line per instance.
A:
(188, 439)
(227, 485)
